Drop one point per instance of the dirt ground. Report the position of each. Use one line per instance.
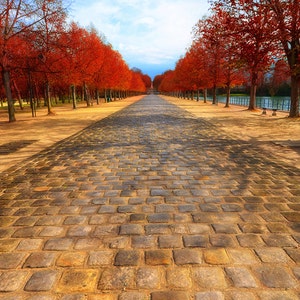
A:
(278, 134)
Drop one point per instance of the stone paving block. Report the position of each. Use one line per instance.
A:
(78, 280)
(279, 240)
(105, 230)
(131, 229)
(138, 217)
(27, 232)
(210, 296)
(195, 241)
(170, 241)
(101, 257)
(250, 240)
(209, 278)
(144, 242)
(30, 244)
(187, 208)
(253, 228)
(179, 278)
(50, 221)
(242, 295)
(127, 258)
(8, 245)
(225, 228)
(292, 216)
(52, 231)
(242, 256)
(203, 217)
(89, 210)
(296, 272)
(97, 219)
(40, 260)
(241, 277)
(174, 295)
(59, 244)
(42, 281)
(294, 254)
(118, 242)
(272, 255)
(223, 241)
(275, 276)
(187, 256)
(26, 221)
(216, 256)
(11, 260)
(149, 278)
(75, 220)
(232, 207)
(79, 231)
(87, 243)
(117, 279)
(199, 228)
(160, 218)
(273, 217)
(12, 297)
(71, 259)
(107, 209)
(164, 208)
(278, 228)
(157, 229)
(282, 295)
(158, 257)
(12, 280)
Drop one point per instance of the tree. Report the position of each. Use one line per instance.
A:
(16, 18)
(211, 34)
(248, 22)
(280, 75)
(285, 22)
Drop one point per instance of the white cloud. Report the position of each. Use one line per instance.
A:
(144, 31)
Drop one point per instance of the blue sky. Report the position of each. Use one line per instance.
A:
(150, 34)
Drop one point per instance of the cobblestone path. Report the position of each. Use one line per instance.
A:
(150, 203)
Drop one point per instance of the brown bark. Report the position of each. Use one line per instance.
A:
(294, 109)
(10, 101)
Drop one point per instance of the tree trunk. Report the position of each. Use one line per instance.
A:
(227, 96)
(105, 96)
(48, 98)
(10, 101)
(18, 94)
(205, 95)
(252, 102)
(294, 109)
(97, 96)
(214, 95)
(31, 99)
(86, 95)
(73, 92)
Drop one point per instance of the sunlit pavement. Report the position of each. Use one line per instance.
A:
(151, 202)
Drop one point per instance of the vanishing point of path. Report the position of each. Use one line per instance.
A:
(150, 203)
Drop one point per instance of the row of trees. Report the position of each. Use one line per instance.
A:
(41, 54)
(239, 42)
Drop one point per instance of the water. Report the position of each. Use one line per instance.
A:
(279, 103)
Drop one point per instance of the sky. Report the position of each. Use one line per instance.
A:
(151, 35)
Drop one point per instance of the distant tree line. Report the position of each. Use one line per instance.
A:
(44, 57)
(253, 43)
